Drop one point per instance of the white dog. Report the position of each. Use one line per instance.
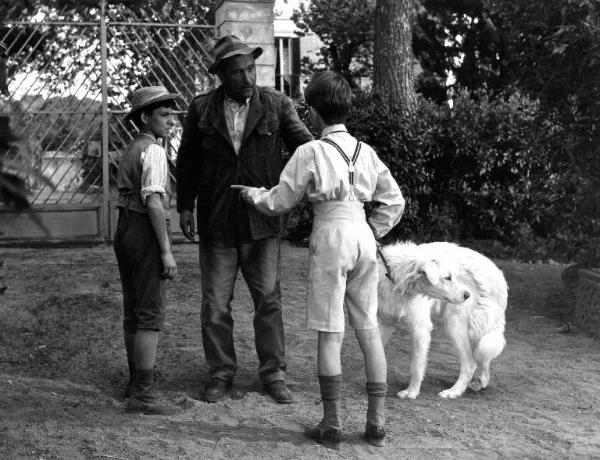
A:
(465, 288)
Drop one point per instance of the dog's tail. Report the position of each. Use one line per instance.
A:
(489, 347)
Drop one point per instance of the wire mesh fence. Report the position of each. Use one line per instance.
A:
(65, 78)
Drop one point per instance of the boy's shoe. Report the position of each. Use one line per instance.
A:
(328, 436)
(279, 391)
(143, 396)
(216, 390)
(151, 406)
(375, 435)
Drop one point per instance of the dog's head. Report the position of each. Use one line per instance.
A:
(440, 279)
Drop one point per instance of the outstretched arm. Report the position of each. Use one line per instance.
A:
(293, 182)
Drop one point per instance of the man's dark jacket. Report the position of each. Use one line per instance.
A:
(207, 163)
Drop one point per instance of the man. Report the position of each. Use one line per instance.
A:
(233, 135)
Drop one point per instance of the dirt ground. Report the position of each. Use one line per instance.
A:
(63, 369)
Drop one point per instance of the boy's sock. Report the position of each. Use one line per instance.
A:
(331, 391)
(376, 392)
(143, 396)
(375, 432)
(329, 431)
(130, 349)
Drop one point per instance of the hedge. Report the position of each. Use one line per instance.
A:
(486, 169)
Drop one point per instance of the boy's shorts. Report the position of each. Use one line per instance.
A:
(140, 267)
(343, 269)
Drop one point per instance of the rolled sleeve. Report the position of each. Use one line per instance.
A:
(155, 172)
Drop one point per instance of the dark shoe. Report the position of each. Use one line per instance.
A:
(279, 392)
(216, 390)
(329, 437)
(375, 435)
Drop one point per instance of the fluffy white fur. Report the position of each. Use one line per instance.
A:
(466, 289)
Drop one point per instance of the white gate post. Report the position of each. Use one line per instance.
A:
(252, 21)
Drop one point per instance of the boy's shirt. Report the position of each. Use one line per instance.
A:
(320, 171)
(155, 172)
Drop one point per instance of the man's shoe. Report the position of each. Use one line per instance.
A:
(279, 392)
(329, 437)
(375, 435)
(216, 390)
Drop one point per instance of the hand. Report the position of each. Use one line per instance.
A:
(244, 190)
(169, 266)
(186, 222)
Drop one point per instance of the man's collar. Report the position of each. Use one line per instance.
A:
(231, 101)
(333, 128)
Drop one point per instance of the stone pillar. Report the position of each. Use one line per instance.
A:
(252, 21)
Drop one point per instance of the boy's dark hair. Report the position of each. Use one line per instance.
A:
(136, 117)
(329, 94)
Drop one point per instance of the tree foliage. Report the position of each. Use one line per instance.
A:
(554, 55)
(346, 29)
(182, 8)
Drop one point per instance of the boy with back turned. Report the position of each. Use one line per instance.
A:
(338, 174)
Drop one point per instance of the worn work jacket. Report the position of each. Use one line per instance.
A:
(207, 163)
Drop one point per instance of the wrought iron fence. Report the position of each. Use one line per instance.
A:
(68, 77)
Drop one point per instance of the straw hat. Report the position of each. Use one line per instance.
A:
(143, 97)
(229, 46)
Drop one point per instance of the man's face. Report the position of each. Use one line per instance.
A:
(238, 75)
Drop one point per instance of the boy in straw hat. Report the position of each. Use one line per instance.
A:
(142, 243)
(338, 173)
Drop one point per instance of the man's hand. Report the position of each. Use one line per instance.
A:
(169, 265)
(186, 222)
(244, 189)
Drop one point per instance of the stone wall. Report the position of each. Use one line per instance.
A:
(252, 21)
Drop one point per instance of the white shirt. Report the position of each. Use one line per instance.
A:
(235, 117)
(318, 169)
(155, 171)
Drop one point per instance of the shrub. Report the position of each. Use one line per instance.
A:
(489, 168)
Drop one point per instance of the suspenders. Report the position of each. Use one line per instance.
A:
(349, 161)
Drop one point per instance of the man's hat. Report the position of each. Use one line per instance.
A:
(143, 97)
(228, 46)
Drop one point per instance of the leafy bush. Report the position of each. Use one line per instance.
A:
(486, 169)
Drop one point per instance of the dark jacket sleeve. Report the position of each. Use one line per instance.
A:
(293, 132)
(189, 161)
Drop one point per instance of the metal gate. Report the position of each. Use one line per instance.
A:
(68, 77)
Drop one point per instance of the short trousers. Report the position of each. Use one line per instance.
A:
(140, 267)
(343, 268)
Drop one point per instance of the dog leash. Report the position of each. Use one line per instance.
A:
(388, 272)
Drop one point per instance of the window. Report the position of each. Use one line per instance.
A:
(287, 65)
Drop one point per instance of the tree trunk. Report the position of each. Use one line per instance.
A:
(393, 57)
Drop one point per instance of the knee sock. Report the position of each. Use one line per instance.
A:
(129, 338)
(375, 412)
(331, 389)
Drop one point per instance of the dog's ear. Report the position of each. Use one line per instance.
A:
(431, 269)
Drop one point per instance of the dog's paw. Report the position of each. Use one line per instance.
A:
(477, 384)
(450, 393)
(407, 394)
